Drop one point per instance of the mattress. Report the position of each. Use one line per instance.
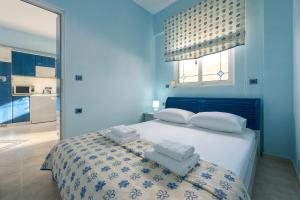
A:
(228, 150)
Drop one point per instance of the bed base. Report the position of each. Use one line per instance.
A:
(253, 164)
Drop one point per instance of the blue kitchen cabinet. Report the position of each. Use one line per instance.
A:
(20, 109)
(23, 64)
(44, 61)
(5, 93)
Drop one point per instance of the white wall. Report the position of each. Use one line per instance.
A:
(22, 40)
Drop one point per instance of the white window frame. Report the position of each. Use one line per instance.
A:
(229, 82)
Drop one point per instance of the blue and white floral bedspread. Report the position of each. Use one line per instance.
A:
(93, 167)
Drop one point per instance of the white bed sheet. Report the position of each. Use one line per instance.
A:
(228, 150)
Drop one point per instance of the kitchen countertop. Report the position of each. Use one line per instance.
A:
(39, 95)
(35, 95)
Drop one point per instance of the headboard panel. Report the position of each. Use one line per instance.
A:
(244, 107)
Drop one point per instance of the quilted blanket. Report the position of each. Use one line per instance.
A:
(93, 167)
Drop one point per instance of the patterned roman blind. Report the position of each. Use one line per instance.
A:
(209, 27)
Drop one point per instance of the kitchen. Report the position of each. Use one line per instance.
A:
(27, 87)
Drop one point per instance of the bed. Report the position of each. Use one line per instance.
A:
(93, 167)
(244, 160)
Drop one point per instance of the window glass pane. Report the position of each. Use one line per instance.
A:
(225, 77)
(191, 79)
(211, 64)
(225, 61)
(210, 69)
(211, 60)
(188, 71)
(215, 67)
(208, 78)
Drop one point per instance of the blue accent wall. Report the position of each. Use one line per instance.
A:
(111, 44)
(266, 56)
(297, 81)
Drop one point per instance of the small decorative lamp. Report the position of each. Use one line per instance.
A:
(155, 105)
(173, 84)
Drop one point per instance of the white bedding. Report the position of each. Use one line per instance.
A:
(228, 150)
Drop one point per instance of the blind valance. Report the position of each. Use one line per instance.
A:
(209, 27)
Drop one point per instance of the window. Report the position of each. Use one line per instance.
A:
(214, 69)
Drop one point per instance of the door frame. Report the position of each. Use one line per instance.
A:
(49, 7)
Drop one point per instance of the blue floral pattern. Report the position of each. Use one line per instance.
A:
(93, 167)
(135, 193)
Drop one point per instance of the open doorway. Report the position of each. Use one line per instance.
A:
(30, 75)
(30, 97)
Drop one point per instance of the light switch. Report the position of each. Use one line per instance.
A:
(78, 110)
(253, 81)
(78, 77)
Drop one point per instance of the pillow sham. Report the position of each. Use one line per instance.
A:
(219, 121)
(174, 115)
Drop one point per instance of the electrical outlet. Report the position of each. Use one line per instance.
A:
(78, 110)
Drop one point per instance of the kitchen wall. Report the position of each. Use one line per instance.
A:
(297, 81)
(22, 40)
(266, 56)
(38, 83)
(111, 44)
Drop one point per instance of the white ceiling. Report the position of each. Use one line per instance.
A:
(154, 6)
(20, 16)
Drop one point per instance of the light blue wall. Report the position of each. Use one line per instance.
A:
(278, 78)
(297, 80)
(111, 43)
(18, 39)
(264, 56)
(249, 55)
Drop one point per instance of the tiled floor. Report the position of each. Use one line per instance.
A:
(20, 177)
(275, 180)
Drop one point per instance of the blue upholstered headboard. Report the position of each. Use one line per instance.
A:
(246, 108)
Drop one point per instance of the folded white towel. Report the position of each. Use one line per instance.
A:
(122, 130)
(123, 140)
(180, 168)
(177, 151)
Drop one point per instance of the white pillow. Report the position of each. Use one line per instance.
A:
(219, 121)
(174, 115)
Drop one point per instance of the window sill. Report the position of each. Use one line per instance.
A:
(182, 85)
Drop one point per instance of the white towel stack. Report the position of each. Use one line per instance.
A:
(178, 158)
(123, 134)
